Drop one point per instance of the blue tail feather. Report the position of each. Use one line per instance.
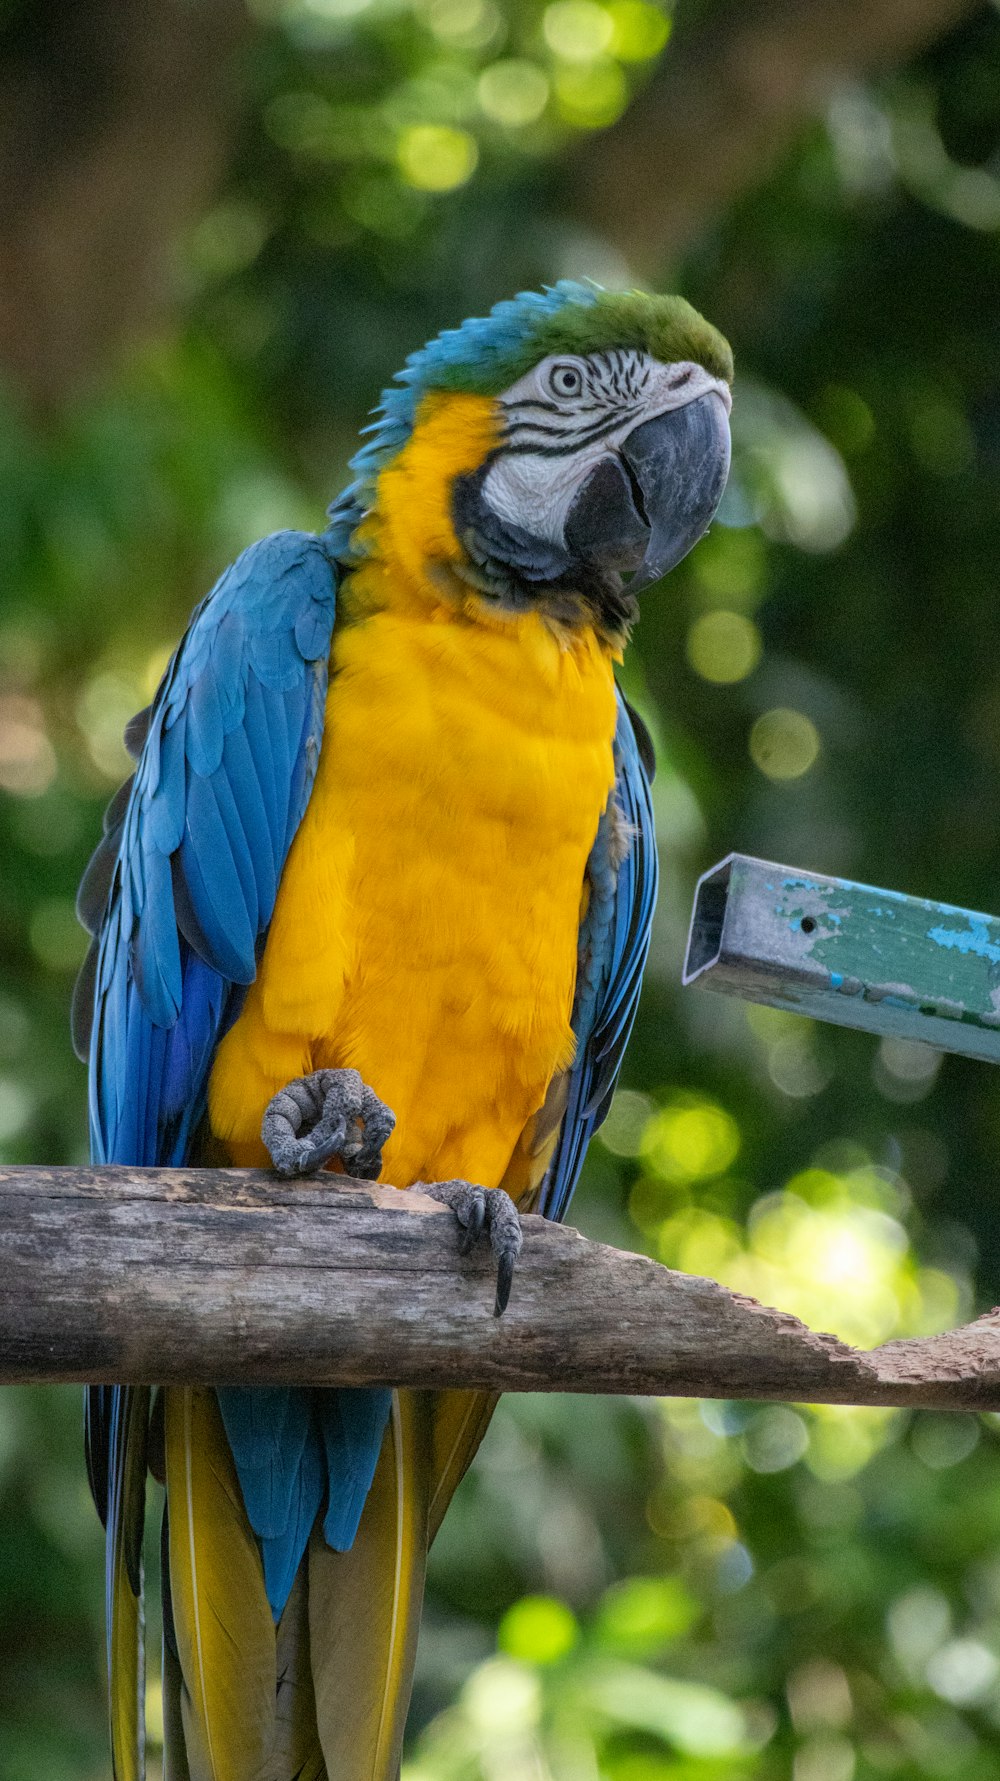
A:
(292, 1448)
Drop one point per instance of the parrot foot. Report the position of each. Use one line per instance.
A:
(483, 1210)
(328, 1113)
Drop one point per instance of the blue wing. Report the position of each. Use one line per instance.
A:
(180, 893)
(614, 943)
(179, 896)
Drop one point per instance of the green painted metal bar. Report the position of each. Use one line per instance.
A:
(849, 954)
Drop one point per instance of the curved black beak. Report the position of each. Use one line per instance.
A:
(677, 464)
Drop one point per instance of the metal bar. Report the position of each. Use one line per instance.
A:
(849, 954)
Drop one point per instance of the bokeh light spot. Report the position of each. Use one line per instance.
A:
(502, 1696)
(905, 1071)
(824, 1759)
(638, 31)
(642, 1614)
(228, 239)
(436, 158)
(730, 565)
(775, 1439)
(963, 1671)
(466, 24)
(795, 1069)
(944, 1441)
(592, 97)
(538, 1629)
(784, 744)
(628, 1116)
(513, 93)
(723, 646)
(103, 709)
(691, 1140)
(577, 30)
(918, 1623)
(819, 1696)
(27, 757)
(154, 668)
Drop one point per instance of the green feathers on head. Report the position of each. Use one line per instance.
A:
(587, 320)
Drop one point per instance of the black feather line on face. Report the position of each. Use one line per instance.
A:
(571, 442)
(514, 411)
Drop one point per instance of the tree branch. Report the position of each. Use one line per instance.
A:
(727, 98)
(229, 1276)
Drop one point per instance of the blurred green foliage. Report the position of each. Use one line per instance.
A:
(622, 1591)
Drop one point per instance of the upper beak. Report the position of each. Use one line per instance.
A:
(678, 464)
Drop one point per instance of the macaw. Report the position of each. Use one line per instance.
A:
(388, 844)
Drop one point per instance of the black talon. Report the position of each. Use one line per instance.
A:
(482, 1210)
(506, 1239)
(475, 1222)
(505, 1280)
(342, 1118)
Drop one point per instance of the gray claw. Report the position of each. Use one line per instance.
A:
(474, 1222)
(342, 1117)
(480, 1209)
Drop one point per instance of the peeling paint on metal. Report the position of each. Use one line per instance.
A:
(866, 957)
(975, 938)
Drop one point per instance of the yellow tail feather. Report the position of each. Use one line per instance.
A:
(364, 1607)
(225, 1633)
(175, 1763)
(296, 1755)
(459, 1422)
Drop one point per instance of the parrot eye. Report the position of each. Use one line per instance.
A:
(566, 380)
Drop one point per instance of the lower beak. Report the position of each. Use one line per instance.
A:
(678, 464)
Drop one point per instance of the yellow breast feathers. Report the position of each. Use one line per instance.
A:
(426, 925)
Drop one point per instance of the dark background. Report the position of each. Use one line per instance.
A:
(221, 230)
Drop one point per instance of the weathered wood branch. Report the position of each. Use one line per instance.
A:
(229, 1276)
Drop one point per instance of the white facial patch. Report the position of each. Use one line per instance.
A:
(567, 414)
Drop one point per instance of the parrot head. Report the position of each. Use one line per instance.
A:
(586, 435)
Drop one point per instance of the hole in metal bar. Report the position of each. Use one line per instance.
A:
(807, 924)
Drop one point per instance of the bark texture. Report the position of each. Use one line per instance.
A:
(230, 1276)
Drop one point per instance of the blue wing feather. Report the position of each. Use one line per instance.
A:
(228, 760)
(614, 944)
(207, 829)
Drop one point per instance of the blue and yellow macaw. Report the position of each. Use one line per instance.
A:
(388, 843)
